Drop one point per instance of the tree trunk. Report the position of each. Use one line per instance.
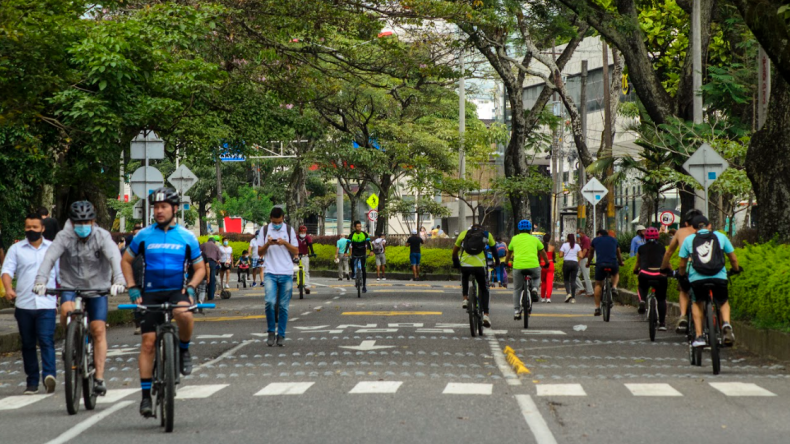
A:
(646, 210)
(201, 208)
(768, 166)
(515, 160)
(384, 192)
(298, 195)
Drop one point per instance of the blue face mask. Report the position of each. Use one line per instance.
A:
(82, 230)
(277, 226)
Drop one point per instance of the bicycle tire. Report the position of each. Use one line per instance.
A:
(606, 307)
(300, 278)
(713, 338)
(72, 354)
(652, 317)
(472, 309)
(525, 307)
(692, 355)
(169, 382)
(88, 396)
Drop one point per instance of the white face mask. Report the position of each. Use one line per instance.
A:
(302, 236)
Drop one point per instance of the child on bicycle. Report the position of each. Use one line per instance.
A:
(648, 267)
(243, 265)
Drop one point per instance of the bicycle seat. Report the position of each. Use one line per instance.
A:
(653, 283)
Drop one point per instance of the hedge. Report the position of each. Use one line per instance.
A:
(434, 260)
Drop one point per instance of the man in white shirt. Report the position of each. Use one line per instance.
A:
(35, 315)
(277, 244)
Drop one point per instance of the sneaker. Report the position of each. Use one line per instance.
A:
(573, 299)
(270, 339)
(31, 390)
(307, 290)
(280, 341)
(543, 300)
(146, 408)
(581, 293)
(699, 342)
(517, 315)
(615, 293)
(568, 298)
(49, 383)
(378, 279)
(339, 279)
(683, 326)
(534, 294)
(548, 300)
(137, 331)
(348, 277)
(597, 312)
(186, 362)
(641, 309)
(729, 336)
(254, 284)
(99, 388)
(662, 326)
(465, 304)
(383, 279)
(364, 289)
(486, 321)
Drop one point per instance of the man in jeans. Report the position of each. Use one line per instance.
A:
(211, 250)
(584, 243)
(415, 253)
(35, 315)
(278, 246)
(341, 258)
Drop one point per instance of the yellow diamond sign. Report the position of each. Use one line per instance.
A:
(373, 201)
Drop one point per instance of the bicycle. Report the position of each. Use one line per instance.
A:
(358, 274)
(712, 328)
(300, 277)
(243, 273)
(78, 360)
(526, 300)
(606, 294)
(166, 360)
(651, 314)
(473, 308)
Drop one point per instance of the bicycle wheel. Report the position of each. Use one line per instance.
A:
(300, 278)
(72, 365)
(526, 306)
(169, 382)
(652, 317)
(606, 307)
(713, 338)
(88, 396)
(472, 309)
(358, 279)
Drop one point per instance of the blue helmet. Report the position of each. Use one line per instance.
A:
(525, 225)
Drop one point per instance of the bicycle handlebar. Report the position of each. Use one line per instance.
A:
(163, 307)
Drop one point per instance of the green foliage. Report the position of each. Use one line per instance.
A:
(248, 203)
(434, 260)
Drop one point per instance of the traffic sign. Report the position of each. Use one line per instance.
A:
(594, 191)
(373, 201)
(705, 166)
(147, 145)
(182, 179)
(145, 180)
(667, 218)
(137, 210)
(185, 202)
(373, 215)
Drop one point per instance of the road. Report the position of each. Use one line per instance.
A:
(399, 365)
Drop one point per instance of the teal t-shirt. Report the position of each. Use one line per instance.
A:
(341, 244)
(687, 248)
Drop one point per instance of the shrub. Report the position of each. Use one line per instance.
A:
(434, 260)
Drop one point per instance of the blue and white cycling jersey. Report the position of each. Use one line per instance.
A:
(165, 256)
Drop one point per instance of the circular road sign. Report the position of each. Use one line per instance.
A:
(373, 215)
(667, 218)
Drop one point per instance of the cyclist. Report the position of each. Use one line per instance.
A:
(243, 264)
(608, 256)
(472, 262)
(305, 252)
(528, 253)
(88, 258)
(706, 251)
(359, 244)
(168, 249)
(684, 286)
(648, 267)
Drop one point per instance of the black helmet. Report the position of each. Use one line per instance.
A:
(164, 194)
(82, 211)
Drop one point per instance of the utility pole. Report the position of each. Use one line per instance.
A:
(607, 137)
(581, 208)
(218, 167)
(696, 59)
(461, 156)
(340, 209)
(555, 176)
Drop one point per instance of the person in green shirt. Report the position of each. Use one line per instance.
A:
(359, 246)
(472, 262)
(526, 249)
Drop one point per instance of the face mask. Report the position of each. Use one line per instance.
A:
(302, 236)
(82, 230)
(225, 243)
(277, 226)
(32, 236)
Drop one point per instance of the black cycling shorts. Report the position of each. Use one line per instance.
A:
(150, 320)
(600, 274)
(701, 292)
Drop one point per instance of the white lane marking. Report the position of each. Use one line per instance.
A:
(223, 356)
(115, 395)
(544, 332)
(305, 313)
(740, 389)
(336, 297)
(459, 388)
(535, 420)
(560, 390)
(652, 390)
(15, 402)
(75, 431)
(494, 332)
(434, 330)
(328, 302)
(499, 358)
(285, 388)
(376, 387)
(293, 319)
(223, 336)
(199, 391)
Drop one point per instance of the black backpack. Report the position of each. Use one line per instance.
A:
(707, 257)
(475, 241)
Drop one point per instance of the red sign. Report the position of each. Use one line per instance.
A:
(233, 225)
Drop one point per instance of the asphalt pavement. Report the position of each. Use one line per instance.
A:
(399, 365)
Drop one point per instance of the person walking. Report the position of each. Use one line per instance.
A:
(424, 234)
(35, 315)
(415, 254)
(212, 253)
(569, 251)
(501, 271)
(379, 249)
(341, 258)
(278, 246)
(585, 287)
(225, 263)
(638, 240)
(51, 225)
(305, 252)
(547, 273)
(254, 261)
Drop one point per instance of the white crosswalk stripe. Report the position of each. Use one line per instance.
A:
(15, 402)
(376, 387)
(460, 388)
(285, 388)
(652, 390)
(560, 390)
(740, 389)
(199, 391)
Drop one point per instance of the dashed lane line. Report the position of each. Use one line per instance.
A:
(77, 430)
(540, 429)
(499, 359)
(392, 313)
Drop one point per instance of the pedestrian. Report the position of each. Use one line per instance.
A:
(379, 249)
(547, 273)
(226, 263)
(638, 240)
(254, 257)
(278, 245)
(341, 258)
(211, 251)
(51, 225)
(435, 233)
(440, 234)
(35, 315)
(424, 234)
(586, 287)
(415, 254)
(569, 251)
(501, 271)
(305, 253)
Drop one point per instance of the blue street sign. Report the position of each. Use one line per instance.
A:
(712, 175)
(227, 155)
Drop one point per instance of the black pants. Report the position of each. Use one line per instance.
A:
(211, 280)
(569, 271)
(661, 293)
(363, 266)
(239, 271)
(479, 274)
